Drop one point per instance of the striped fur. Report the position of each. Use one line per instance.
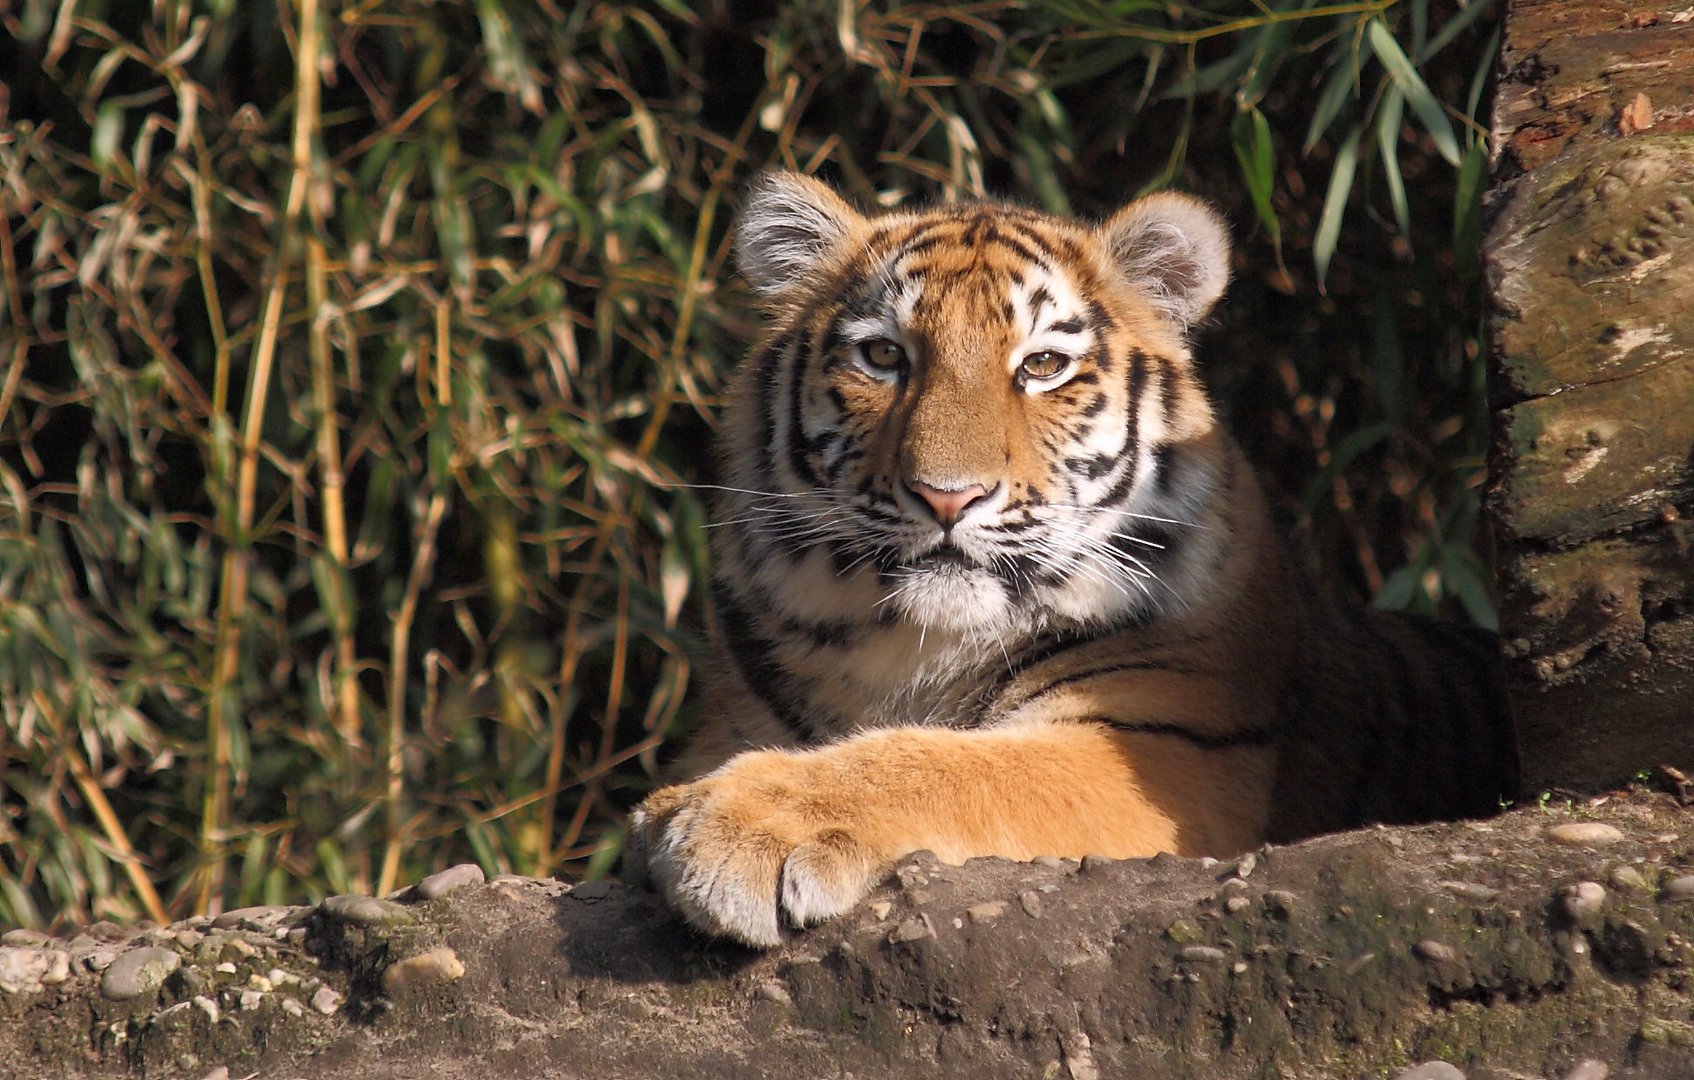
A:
(991, 580)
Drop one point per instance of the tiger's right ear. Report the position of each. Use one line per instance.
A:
(788, 224)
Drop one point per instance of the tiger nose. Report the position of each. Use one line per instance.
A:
(949, 504)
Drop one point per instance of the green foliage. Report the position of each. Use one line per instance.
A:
(355, 360)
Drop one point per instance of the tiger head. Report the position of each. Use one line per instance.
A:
(973, 417)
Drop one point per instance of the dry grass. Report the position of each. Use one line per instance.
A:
(354, 367)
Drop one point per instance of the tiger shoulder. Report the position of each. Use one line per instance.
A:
(991, 579)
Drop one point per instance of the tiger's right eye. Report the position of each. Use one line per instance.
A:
(883, 354)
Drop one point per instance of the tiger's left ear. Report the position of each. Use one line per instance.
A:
(1175, 249)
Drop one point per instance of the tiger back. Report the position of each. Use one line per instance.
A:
(990, 579)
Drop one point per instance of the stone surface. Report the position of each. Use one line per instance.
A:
(138, 971)
(366, 910)
(21, 969)
(1430, 1070)
(433, 967)
(1325, 983)
(1584, 834)
(450, 880)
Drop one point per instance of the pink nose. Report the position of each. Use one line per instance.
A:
(948, 505)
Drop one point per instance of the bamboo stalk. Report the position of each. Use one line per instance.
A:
(422, 566)
(232, 607)
(332, 484)
(107, 817)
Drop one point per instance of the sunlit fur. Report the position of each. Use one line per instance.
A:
(1105, 652)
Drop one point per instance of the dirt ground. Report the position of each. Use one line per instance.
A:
(1542, 943)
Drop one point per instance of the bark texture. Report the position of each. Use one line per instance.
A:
(1514, 949)
(1591, 261)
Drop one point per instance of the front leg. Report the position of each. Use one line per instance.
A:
(789, 837)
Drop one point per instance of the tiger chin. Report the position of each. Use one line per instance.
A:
(990, 579)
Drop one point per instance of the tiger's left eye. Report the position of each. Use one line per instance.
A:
(1045, 364)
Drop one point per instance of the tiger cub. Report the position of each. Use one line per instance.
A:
(991, 580)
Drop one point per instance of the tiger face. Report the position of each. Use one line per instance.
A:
(976, 419)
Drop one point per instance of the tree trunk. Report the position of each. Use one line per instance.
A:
(1591, 266)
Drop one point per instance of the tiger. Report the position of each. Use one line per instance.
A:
(991, 579)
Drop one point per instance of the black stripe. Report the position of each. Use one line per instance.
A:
(1037, 298)
(1163, 455)
(1109, 669)
(799, 447)
(1253, 736)
(755, 659)
(768, 364)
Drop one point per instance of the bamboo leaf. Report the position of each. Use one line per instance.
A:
(1388, 147)
(1411, 84)
(1251, 137)
(1335, 204)
(1467, 212)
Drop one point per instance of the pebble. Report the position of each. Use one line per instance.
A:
(776, 993)
(1281, 902)
(1679, 888)
(879, 909)
(1589, 1069)
(1202, 954)
(1583, 899)
(1078, 1052)
(105, 930)
(252, 918)
(1627, 879)
(1430, 1070)
(1583, 834)
(251, 999)
(1435, 952)
(1030, 901)
(1236, 904)
(1183, 931)
(101, 958)
(326, 1001)
(452, 879)
(1245, 865)
(1094, 863)
(209, 1006)
(21, 969)
(292, 1007)
(58, 967)
(432, 967)
(189, 938)
(365, 910)
(912, 877)
(1052, 862)
(916, 928)
(137, 972)
(219, 1073)
(1471, 890)
(979, 913)
(23, 936)
(227, 968)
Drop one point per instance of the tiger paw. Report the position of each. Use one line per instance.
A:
(753, 848)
